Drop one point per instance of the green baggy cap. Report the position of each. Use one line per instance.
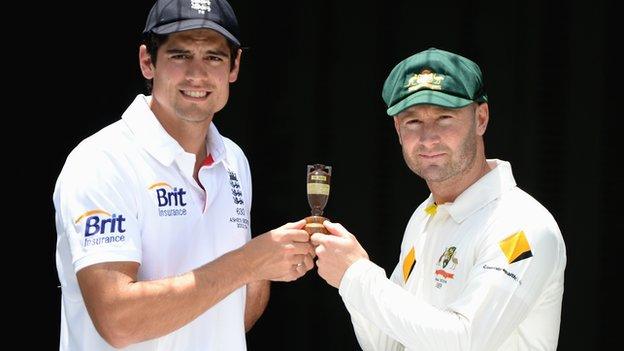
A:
(433, 77)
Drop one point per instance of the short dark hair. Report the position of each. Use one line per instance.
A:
(154, 41)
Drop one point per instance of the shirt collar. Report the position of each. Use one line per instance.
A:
(485, 190)
(156, 141)
(215, 145)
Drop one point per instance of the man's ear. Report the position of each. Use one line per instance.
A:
(483, 117)
(397, 127)
(145, 62)
(234, 71)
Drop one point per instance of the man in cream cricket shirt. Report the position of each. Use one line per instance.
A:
(482, 262)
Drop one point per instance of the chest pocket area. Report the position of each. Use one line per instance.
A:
(171, 209)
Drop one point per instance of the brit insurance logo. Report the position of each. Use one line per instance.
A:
(101, 227)
(448, 262)
(171, 200)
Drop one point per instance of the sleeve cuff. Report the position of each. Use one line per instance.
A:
(354, 273)
(117, 256)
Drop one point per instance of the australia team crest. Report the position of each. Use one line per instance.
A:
(446, 267)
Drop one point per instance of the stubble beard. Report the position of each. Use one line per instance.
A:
(193, 113)
(459, 163)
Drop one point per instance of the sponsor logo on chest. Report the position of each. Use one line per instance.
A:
(171, 200)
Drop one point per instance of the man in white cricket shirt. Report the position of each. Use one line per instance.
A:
(154, 248)
(482, 262)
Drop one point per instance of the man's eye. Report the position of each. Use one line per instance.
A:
(180, 57)
(215, 58)
(445, 120)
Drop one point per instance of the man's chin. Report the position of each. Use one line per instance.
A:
(432, 173)
(194, 116)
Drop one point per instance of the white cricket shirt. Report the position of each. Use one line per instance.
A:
(127, 193)
(482, 273)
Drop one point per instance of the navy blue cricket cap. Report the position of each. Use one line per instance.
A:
(171, 16)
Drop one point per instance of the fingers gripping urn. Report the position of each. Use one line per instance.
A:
(318, 180)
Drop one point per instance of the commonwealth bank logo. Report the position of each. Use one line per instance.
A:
(516, 247)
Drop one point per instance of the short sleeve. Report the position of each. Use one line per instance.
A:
(97, 209)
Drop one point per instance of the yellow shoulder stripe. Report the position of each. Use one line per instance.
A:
(408, 264)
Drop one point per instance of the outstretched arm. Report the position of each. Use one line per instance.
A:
(126, 311)
(482, 317)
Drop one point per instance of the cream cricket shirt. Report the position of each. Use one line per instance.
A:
(482, 273)
(127, 193)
